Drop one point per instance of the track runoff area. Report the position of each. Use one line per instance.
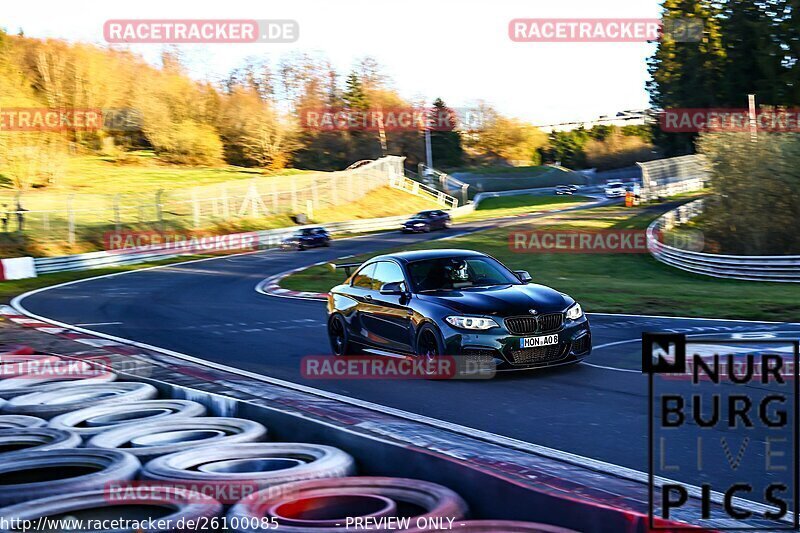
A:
(707, 409)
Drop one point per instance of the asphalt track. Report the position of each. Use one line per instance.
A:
(210, 310)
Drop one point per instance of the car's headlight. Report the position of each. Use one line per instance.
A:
(419, 223)
(471, 322)
(575, 312)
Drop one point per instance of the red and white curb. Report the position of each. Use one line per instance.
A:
(271, 286)
(115, 347)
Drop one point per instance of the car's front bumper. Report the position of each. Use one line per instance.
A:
(413, 229)
(504, 348)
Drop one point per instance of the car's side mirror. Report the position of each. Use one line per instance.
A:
(397, 287)
(523, 275)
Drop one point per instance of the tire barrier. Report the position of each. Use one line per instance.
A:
(151, 439)
(32, 475)
(495, 526)
(64, 372)
(16, 364)
(319, 505)
(90, 421)
(63, 399)
(19, 421)
(260, 465)
(170, 506)
(193, 464)
(14, 441)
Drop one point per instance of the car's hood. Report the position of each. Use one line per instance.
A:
(503, 300)
(415, 221)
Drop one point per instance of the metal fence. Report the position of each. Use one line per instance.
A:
(675, 175)
(55, 217)
(420, 189)
(784, 268)
(443, 182)
(262, 240)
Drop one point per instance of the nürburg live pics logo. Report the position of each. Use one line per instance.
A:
(722, 435)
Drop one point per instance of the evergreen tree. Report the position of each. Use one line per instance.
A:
(361, 144)
(686, 74)
(354, 96)
(753, 56)
(445, 140)
(789, 14)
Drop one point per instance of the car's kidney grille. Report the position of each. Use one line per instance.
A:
(551, 322)
(524, 325)
(542, 354)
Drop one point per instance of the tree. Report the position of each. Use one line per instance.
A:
(753, 55)
(445, 140)
(753, 210)
(254, 133)
(687, 74)
(567, 147)
(789, 20)
(506, 139)
(354, 97)
(617, 150)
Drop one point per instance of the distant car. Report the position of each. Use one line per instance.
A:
(615, 189)
(425, 221)
(566, 189)
(431, 303)
(307, 238)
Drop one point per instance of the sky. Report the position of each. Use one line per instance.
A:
(458, 50)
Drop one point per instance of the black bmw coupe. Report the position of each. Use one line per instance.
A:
(455, 302)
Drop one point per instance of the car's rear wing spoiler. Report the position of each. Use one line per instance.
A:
(348, 267)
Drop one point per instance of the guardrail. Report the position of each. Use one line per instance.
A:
(265, 239)
(539, 191)
(447, 183)
(783, 268)
(420, 189)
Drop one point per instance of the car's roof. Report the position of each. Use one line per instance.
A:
(417, 255)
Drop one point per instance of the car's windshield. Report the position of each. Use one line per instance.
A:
(302, 233)
(455, 273)
(423, 214)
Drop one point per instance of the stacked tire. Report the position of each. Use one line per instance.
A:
(92, 445)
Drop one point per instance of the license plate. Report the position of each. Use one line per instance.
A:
(535, 342)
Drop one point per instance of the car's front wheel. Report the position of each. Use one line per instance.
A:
(430, 347)
(429, 342)
(338, 336)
